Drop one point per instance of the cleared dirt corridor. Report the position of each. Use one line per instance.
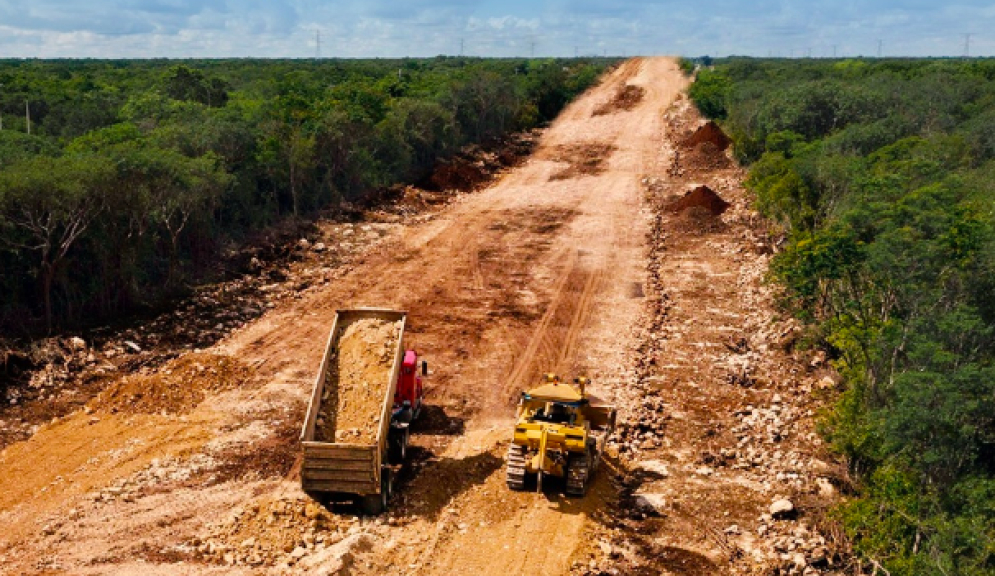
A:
(540, 272)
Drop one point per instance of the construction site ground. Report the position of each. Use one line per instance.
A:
(583, 260)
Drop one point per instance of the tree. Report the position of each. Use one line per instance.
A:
(183, 83)
(51, 202)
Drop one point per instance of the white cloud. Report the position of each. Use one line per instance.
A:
(364, 28)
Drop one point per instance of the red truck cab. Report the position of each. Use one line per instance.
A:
(407, 404)
(409, 384)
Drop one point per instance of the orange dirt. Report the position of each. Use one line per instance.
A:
(177, 387)
(701, 197)
(627, 98)
(711, 133)
(589, 159)
(358, 378)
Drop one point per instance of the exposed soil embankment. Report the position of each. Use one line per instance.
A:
(358, 379)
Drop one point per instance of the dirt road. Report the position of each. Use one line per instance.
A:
(547, 270)
(539, 272)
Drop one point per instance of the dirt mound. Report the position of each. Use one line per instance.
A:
(703, 150)
(697, 221)
(586, 159)
(268, 530)
(703, 197)
(358, 377)
(458, 173)
(176, 388)
(627, 97)
(710, 133)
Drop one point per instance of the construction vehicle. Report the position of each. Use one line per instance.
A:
(559, 432)
(362, 471)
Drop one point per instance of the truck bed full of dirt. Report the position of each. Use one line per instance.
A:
(358, 378)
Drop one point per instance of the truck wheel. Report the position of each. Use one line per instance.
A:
(399, 446)
(405, 436)
(376, 504)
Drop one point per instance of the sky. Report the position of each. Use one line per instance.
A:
(383, 28)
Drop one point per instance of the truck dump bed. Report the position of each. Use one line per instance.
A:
(345, 432)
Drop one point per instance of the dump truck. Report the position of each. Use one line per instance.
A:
(560, 432)
(367, 393)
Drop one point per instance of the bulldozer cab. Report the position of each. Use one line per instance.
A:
(556, 412)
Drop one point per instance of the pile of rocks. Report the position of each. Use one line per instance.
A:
(643, 427)
(281, 532)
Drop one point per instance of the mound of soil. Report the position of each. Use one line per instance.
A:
(697, 221)
(176, 388)
(627, 97)
(266, 530)
(458, 174)
(701, 197)
(358, 378)
(705, 157)
(586, 159)
(710, 133)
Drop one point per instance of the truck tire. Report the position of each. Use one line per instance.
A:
(399, 445)
(376, 504)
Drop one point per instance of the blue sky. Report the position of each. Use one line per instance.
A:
(371, 28)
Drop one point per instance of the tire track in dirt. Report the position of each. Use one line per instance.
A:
(539, 342)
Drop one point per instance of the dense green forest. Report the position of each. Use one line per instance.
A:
(121, 181)
(882, 174)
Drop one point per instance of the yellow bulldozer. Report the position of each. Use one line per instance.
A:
(559, 433)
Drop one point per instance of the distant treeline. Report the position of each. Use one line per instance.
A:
(121, 180)
(882, 173)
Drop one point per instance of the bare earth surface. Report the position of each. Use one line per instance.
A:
(570, 263)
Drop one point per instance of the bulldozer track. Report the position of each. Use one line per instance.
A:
(515, 467)
(578, 473)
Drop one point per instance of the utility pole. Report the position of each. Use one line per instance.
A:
(532, 48)
(967, 44)
(461, 47)
(576, 51)
(880, 44)
(834, 50)
(317, 44)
